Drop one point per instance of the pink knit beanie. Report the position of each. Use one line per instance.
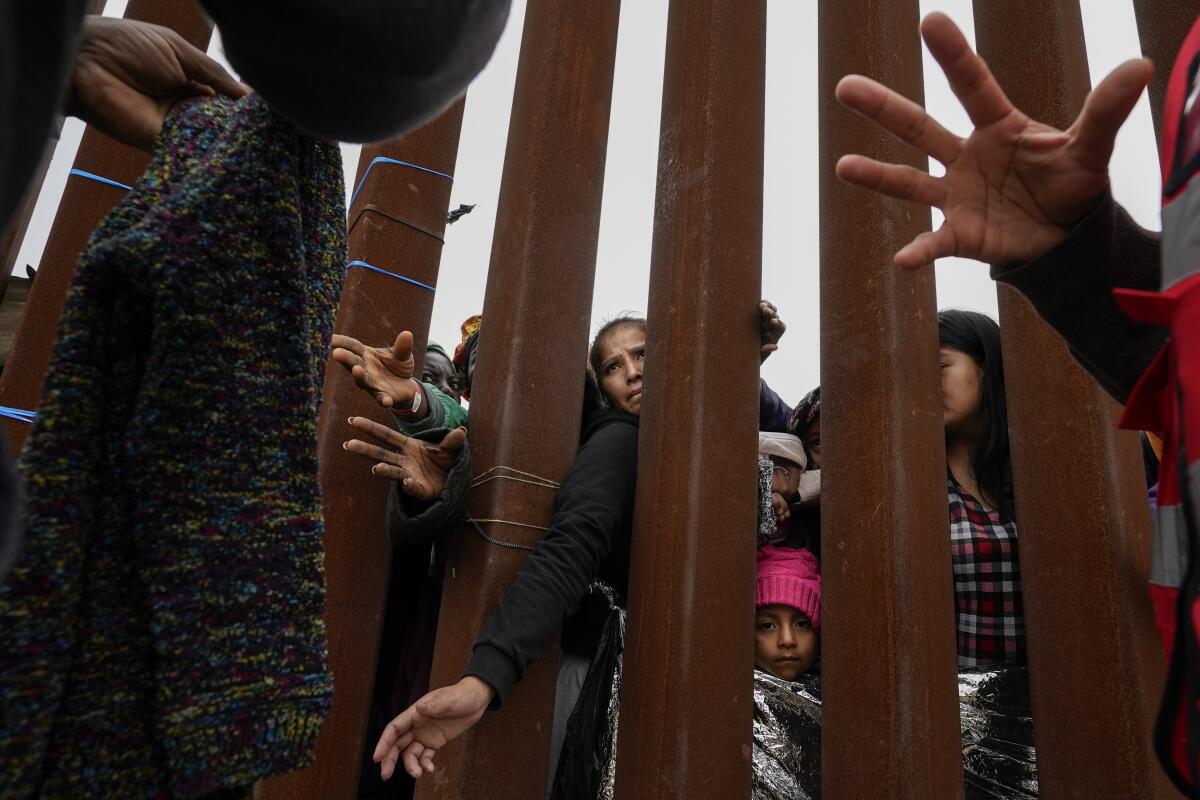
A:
(791, 577)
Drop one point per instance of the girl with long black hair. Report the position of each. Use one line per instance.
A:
(983, 530)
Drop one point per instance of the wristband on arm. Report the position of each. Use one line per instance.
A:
(411, 411)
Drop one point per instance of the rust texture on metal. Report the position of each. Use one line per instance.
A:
(528, 388)
(358, 556)
(890, 719)
(686, 708)
(1162, 26)
(84, 204)
(1095, 659)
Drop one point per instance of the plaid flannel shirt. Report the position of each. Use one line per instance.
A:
(987, 582)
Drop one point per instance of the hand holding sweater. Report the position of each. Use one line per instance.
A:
(129, 74)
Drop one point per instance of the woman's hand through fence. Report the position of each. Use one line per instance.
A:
(428, 724)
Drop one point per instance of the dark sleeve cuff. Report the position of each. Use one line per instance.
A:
(492, 666)
(1070, 286)
(773, 412)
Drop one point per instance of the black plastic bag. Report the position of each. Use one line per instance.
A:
(586, 765)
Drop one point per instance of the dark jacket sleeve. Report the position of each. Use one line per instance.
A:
(411, 521)
(595, 498)
(773, 413)
(359, 70)
(1071, 286)
(37, 48)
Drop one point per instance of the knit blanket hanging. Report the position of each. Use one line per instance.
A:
(162, 633)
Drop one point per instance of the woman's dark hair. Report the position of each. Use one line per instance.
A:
(594, 355)
(978, 336)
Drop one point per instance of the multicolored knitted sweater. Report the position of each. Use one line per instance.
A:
(162, 633)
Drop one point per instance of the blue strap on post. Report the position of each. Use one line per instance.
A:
(365, 265)
(386, 160)
(98, 179)
(377, 160)
(18, 414)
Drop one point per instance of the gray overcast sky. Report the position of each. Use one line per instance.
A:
(790, 250)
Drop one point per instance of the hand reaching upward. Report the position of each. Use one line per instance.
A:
(420, 466)
(386, 373)
(1015, 186)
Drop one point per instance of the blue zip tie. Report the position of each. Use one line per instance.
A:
(365, 265)
(99, 179)
(386, 160)
(18, 414)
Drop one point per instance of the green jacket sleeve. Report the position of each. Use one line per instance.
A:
(444, 412)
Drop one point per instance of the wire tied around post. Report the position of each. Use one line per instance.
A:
(505, 473)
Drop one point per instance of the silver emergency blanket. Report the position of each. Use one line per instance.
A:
(587, 765)
(608, 788)
(997, 736)
(787, 737)
(766, 515)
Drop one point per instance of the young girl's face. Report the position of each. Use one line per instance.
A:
(621, 354)
(962, 391)
(785, 642)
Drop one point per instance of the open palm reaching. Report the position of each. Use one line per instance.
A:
(386, 373)
(420, 466)
(1015, 186)
(426, 726)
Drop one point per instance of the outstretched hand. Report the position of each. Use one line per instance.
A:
(421, 467)
(386, 373)
(128, 74)
(428, 724)
(1015, 186)
(771, 330)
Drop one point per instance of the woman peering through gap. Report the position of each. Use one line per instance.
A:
(588, 538)
(998, 756)
(983, 531)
